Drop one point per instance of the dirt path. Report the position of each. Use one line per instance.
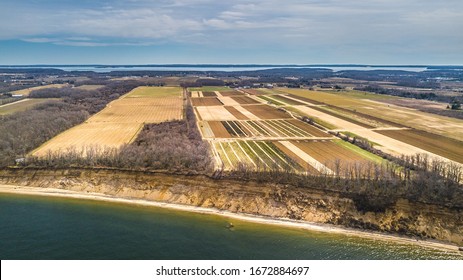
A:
(16, 102)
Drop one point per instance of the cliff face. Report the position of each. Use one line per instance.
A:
(278, 201)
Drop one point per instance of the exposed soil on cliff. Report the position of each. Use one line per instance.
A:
(271, 200)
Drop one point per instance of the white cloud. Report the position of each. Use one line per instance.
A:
(348, 25)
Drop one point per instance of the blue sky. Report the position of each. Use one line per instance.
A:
(210, 31)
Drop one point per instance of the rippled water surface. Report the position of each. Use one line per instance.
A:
(61, 228)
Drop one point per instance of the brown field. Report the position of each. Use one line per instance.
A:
(236, 113)
(219, 130)
(305, 99)
(328, 152)
(206, 101)
(265, 129)
(231, 93)
(307, 167)
(254, 91)
(287, 100)
(21, 105)
(255, 154)
(310, 129)
(244, 100)
(266, 112)
(209, 94)
(439, 145)
(120, 121)
(25, 92)
(343, 117)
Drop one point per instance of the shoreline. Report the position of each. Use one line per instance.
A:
(51, 192)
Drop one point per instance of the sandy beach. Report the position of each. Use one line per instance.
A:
(244, 217)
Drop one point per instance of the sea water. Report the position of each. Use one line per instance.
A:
(34, 227)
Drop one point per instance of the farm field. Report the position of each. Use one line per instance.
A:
(121, 120)
(26, 91)
(262, 137)
(209, 101)
(371, 105)
(265, 129)
(439, 145)
(90, 87)
(261, 155)
(21, 105)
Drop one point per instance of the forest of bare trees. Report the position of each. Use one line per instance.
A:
(177, 146)
(174, 146)
(24, 131)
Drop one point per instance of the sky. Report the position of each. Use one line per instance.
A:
(234, 32)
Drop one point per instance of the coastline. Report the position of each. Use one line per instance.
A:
(53, 192)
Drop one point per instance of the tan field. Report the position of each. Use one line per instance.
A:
(26, 91)
(371, 104)
(21, 105)
(120, 122)
(90, 87)
(215, 113)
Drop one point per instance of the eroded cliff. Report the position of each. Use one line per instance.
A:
(271, 200)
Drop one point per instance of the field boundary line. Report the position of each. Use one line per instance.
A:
(239, 127)
(251, 129)
(260, 148)
(244, 152)
(236, 133)
(288, 128)
(218, 160)
(247, 113)
(307, 158)
(278, 155)
(234, 152)
(263, 125)
(226, 156)
(299, 130)
(255, 153)
(142, 125)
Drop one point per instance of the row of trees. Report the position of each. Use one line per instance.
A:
(174, 146)
(22, 132)
(373, 187)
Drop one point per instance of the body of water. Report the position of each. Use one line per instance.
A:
(60, 228)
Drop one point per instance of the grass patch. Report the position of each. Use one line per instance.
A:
(367, 155)
(270, 100)
(352, 135)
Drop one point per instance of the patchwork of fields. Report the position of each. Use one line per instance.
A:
(246, 132)
(120, 122)
(393, 129)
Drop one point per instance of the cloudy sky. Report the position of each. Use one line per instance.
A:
(211, 31)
